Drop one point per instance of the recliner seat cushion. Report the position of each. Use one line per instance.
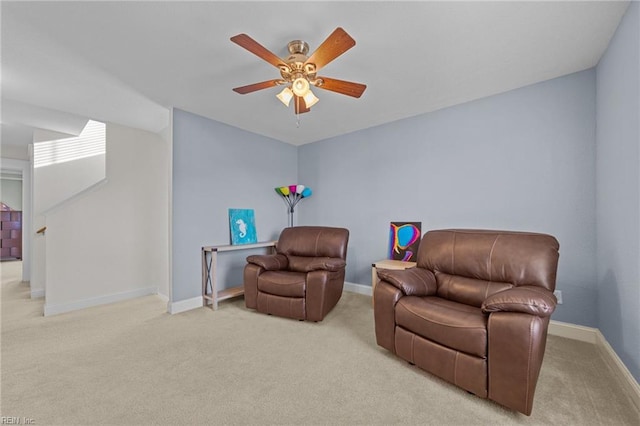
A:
(451, 324)
(283, 283)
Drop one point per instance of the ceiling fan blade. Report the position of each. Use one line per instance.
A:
(335, 45)
(257, 49)
(256, 86)
(300, 105)
(343, 87)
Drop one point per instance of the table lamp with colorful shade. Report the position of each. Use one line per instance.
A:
(291, 195)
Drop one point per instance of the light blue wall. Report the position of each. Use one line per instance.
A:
(618, 191)
(522, 160)
(530, 159)
(211, 175)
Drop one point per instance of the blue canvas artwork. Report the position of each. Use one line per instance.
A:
(242, 224)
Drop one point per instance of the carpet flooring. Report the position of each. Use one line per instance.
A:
(130, 363)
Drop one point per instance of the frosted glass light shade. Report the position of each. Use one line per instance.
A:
(310, 99)
(300, 86)
(285, 96)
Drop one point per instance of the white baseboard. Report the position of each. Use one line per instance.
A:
(573, 331)
(611, 358)
(163, 297)
(60, 308)
(631, 387)
(37, 293)
(184, 305)
(357, 288)
(196, 302)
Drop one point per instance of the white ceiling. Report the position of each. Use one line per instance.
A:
(130, 62)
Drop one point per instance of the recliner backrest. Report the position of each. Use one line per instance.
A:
(313, 241)
(471, 265)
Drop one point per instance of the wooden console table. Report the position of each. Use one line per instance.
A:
(209, 264)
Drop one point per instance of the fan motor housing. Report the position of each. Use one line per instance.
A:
(298, 46)
(298, 50)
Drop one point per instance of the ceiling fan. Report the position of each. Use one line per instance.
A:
(299, 72)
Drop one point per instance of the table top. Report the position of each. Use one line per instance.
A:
(393, 264)
(239, 246)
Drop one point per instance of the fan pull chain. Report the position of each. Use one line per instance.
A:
(298, 120)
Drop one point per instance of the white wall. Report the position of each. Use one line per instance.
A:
(55, 183)
(39, 260)
(14, 152)
(11, 190)
(618, 191)
(111, 242)
(53, 186)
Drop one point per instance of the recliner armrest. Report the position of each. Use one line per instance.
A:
(532, 300)
(308, 264)
(327, 263)
(412, 282)
(269, 262)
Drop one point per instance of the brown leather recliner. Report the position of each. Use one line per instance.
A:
(304, 279)
(474, 311)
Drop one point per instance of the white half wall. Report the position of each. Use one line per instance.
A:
(112, 240)
(39, 260)
(57, 182)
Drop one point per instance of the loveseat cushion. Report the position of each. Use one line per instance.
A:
(281, 283)
(451, 324)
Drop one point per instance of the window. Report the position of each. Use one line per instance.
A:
(90, 142)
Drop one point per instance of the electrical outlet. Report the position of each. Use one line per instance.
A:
(558, 295)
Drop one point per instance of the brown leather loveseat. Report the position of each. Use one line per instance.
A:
(474, 311)
(304, 279)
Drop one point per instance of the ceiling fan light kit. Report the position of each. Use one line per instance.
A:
(299, 71)
(300, 86)
(310, 99)
(285, 96)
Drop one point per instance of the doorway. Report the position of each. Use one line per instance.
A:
(15, 178)
(10, 215)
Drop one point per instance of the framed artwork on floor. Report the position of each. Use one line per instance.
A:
(404, 240)
(242, 226)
